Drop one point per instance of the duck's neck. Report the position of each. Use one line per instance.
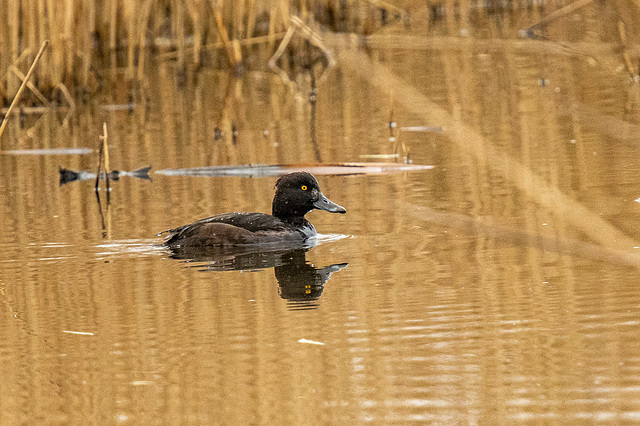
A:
(295, 220)
(283, 211)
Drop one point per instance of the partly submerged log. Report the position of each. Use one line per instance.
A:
(262, 170)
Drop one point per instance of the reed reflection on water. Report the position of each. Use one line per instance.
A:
(499, 287)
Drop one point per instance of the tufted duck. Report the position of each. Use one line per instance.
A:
(296, 195)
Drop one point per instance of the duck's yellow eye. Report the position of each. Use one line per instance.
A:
(304, 187)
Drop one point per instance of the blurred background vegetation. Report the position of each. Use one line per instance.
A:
(88, 36)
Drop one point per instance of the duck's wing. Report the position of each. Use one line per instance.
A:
(253, 222)
(245, 222)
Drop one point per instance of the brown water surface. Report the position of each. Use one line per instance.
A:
(500, 287)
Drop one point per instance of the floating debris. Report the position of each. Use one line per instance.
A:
(422, 129)
(264, 170)
(49, 151)
(311, 342)
(81, 333)
(67, 175)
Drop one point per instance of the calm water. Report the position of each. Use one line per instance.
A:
(500, 287)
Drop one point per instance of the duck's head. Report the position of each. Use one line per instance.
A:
(297, 194)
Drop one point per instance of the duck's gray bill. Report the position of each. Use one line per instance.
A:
(326, 204)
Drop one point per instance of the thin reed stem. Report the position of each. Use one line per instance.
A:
(100, 154)
(105, 146)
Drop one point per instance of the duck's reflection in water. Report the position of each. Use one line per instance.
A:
(300, 282)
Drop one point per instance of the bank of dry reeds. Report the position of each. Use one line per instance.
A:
(88, 35)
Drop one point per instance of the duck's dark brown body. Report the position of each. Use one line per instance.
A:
(232, 229)
(296, 194)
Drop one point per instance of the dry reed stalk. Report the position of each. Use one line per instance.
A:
(30, 85)
(312, 37)
(564, 11)
(251, 18)
(103, 159)
(178, 30)
(29, 21)
(225, 38)
(197, 13)
(56, 31)
(130, 15)
(625, 52)
(238, 19)
(285, 12)
(13, 13)
(24, 54)
(87, 48)
(42, 29)
(237, 52)
(68, 40)
(113, 20)
(69, 98)
(272, 23)
(283, 45)
(22, 87)
(144, 20)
